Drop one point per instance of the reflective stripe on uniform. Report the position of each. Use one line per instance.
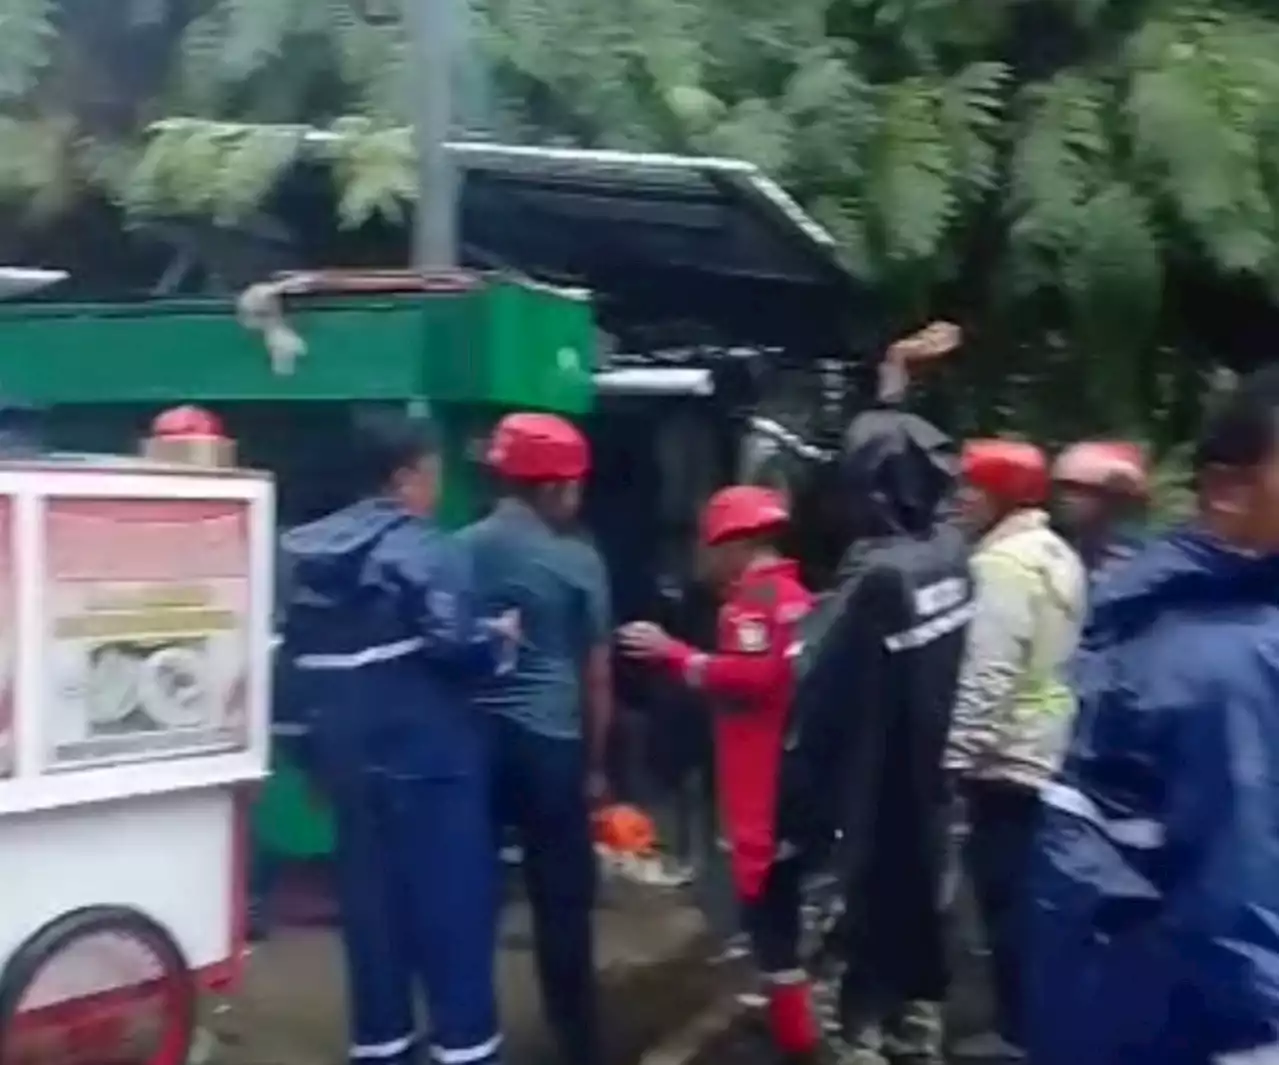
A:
(784, 851)
(785, 977)
(471, 1055)
(933, 629)
(383, 1051)
(1139, 833)
(368, 656)
(1265, 1055)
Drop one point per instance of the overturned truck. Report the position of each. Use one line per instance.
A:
(685, 310)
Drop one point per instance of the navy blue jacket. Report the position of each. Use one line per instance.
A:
(381, 646)
(1153, 930)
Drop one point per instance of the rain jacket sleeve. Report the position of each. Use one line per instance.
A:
(1154, 936)
(844, 628)
(1220, 876)
(730, 675)
(839, 657)
(435, 579)
(756, 647)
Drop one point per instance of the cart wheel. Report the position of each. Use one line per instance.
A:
(103, 985)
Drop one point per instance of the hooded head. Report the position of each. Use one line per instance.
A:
(395, 468)
(897, 472)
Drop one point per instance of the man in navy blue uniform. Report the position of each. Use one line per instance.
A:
(548, 767)
(1153, 934)
(386, 647)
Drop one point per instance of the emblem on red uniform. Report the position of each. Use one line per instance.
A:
(752, 636)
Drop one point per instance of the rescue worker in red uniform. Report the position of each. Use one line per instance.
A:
(748, 680)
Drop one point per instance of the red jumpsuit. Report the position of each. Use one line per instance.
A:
(749, 681)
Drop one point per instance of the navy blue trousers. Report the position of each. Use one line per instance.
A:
(418, 898)
(540, 790)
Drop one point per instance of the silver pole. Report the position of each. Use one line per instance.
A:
(432, 26)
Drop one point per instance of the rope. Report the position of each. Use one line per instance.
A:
(261, 309)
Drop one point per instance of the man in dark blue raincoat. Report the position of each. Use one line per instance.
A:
(1153, 930)
(381, 633)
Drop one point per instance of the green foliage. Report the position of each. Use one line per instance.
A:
(1201, 112)
(208, 168)
(375, 170)
(1054, 161)
(27, 37)
(1172, 497)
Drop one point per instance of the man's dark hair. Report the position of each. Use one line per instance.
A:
(384, 443)
(1240, 430)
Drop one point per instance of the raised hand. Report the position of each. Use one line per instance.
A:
(933, 341)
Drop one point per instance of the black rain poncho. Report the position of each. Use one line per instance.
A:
(876, 681)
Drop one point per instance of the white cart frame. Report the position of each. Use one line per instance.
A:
(166, 834)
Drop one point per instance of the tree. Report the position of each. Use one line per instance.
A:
(81, 81)
(1049, 165)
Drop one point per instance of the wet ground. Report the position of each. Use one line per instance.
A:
(745, 1041)
(649, 947)
(664, 1003)
(738, 1036)
(742, 1039)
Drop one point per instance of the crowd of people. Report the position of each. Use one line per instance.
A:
(1100, 711)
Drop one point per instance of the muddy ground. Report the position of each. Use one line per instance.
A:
(742, 1039)
(290, 1010)
(658, 984)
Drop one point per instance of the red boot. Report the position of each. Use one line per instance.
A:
(791, 1018)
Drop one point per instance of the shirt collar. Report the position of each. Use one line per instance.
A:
(1019, 521)
(764, 570)
(518, 512)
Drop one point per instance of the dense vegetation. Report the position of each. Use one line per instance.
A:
(1064, 175)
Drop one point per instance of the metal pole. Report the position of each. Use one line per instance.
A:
(432, 25)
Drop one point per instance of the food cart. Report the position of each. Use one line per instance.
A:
(134, 643)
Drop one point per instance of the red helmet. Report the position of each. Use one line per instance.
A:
(742, 510)
(538, 447)
(1009, 470)
(1114, 465)
(186, 422)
